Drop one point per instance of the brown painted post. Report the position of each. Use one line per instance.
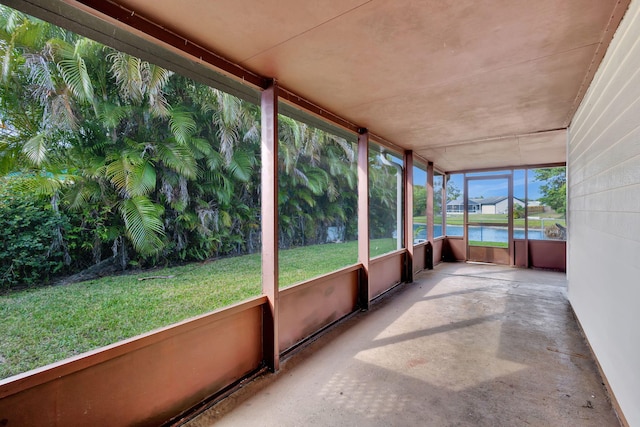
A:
(510, 203)
(430, 237)
(363, 217)
(526, 218)
(408, 214)
(269, 210)
(443, 190)
(465, 216)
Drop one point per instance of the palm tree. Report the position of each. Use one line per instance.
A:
(382, 195)
(74, 109)
(148, 163)
(317, 176)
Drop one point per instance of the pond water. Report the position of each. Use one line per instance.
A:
(477, 233)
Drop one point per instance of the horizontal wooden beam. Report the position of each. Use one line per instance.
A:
(171, 38)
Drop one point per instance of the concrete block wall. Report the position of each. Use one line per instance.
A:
(604, 214)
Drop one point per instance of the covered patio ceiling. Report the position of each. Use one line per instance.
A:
(466, 84)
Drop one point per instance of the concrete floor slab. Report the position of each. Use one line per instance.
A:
(464, 345)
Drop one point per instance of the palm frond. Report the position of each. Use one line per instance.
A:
(131, 175)
(317, 180)
(76, 76)
(111, 115)
(85, 47)
(225, 218)
(40, 76)
(127, 71)
(36, 149)
(143, 224)
(58, 48)
(78, 196)
(348, 148)
(31, 33)
(16, 30)
(158, 78)
(46, 185)
(201, 146)
(241, 165)
(214, 161)
(307, 198)
(10, 19)
(182, 125)
(178, 158)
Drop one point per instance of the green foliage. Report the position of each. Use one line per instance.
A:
(518, 211)
(316, 178)
(137, 144)
(31, 249)
(419, 200)
(383, 192)
(437, 196)
(453, 192)
(554, 187)
(156, 168)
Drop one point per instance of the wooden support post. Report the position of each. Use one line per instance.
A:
(430, 237)
(526, 218)
(443, 203)
(363, 217)
(269, 210)
(408, 214)
(430, 202)
(510, 205)
(465, 217)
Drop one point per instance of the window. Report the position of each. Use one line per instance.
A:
(438, 211)
(419, 203)
(519, 201)
(385, 201)
(547, 203)
(317, 203)
(455, 205)
(129, 167)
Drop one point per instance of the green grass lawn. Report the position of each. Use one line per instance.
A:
(44, 325)
(489, 244)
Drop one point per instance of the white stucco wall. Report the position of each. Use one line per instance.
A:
(604, 214)
(488, 209)
(502, 207)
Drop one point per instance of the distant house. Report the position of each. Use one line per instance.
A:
(457, 206)
(487, 205)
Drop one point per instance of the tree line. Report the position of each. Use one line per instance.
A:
(106, 156)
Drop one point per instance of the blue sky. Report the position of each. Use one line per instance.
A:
(490, 188)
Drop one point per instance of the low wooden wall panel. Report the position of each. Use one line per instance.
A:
(455, 249)
(142, 381)
(547, 254)
(419, 257)
(489, 254)
(550, 254)
(385, 272)
(520, 253)
(310, 306)
(437, 251)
